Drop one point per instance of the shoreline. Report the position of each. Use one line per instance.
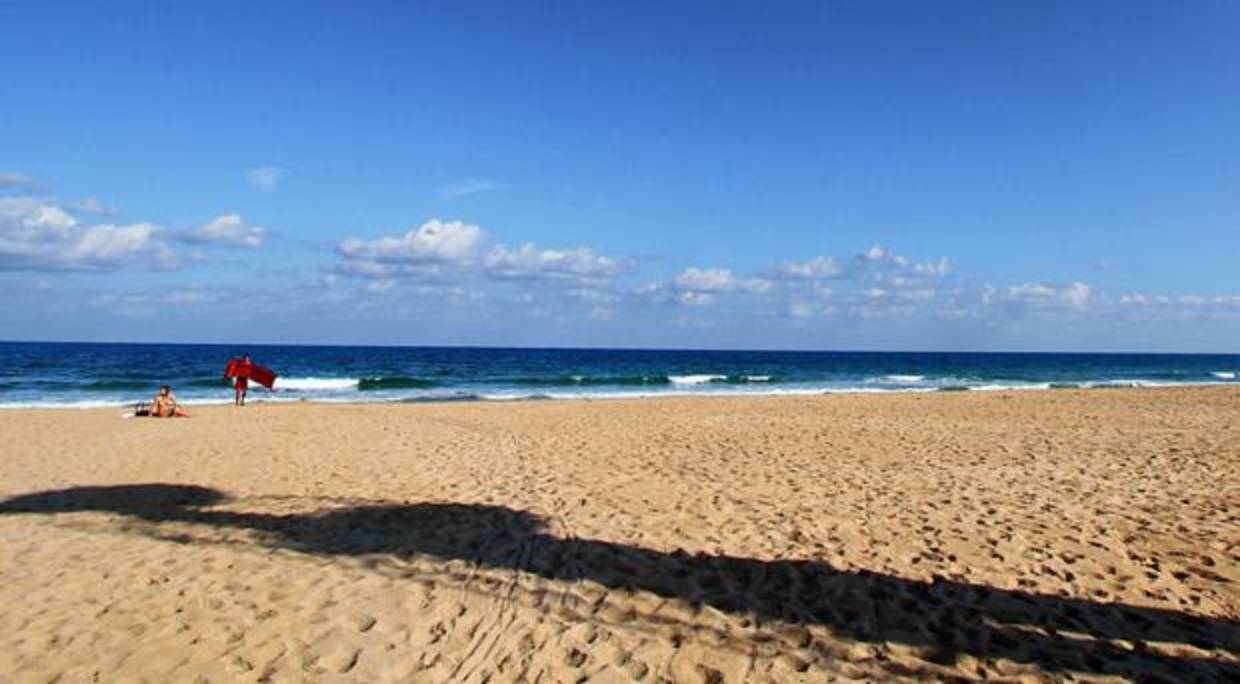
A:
(472, 398)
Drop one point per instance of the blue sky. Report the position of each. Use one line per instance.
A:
(820, 175)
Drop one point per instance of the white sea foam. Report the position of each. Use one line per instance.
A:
(99, 403)
(315, 384)
(904, 379)
(65, 404)
(757, 378)
(999, 387)
(850, 389)
(648, 394)
(695, 379)
(337, 390)
(1129, 382)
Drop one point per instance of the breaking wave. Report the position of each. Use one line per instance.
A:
(393, 382)
(315, 384)
(589, 380)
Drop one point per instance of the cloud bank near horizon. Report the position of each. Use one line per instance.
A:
(446, 274)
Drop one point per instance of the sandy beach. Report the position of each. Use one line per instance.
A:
(1018, 536)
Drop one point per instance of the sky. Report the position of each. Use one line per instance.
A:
(822, 175)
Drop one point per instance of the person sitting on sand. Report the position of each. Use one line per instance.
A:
(165, 405)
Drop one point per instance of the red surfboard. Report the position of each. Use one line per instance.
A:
(262, 375)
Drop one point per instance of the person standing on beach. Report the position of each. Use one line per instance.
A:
(243, 381)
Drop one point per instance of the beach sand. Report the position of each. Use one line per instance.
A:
(1018, 536)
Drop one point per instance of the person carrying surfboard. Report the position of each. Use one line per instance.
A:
(242, 371)
(243, 380)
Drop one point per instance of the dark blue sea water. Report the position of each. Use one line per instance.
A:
(79, 374)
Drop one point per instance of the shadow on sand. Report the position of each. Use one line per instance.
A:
(947, 619)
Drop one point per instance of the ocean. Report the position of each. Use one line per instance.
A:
(86, 375)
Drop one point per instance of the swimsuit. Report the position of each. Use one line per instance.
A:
(243, 381)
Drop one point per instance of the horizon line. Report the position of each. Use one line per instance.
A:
(623, 348)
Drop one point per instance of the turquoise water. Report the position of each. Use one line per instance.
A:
(82, 374)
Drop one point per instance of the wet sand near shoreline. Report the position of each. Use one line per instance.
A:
(1012, 536)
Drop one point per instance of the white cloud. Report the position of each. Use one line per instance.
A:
(92, 205)
(435, 240)
(1075, 296)
(109, 243)
(877, 264)
(756, 285)
(1136, 299)
(817, 267)
(12, 180)
(190, 297)
(882, 263)
(450, 253)
(877, 283)
(445, 262)
(26, 218)
(695, 298)
(874, 253)
(935, 268)
(872, 283)
(368, 268)
(229, 230)
(705, 279)
(921, 295)
(872, 276)
(1031, 291)
(528, 261)
(468, 186)
(591, 294)
(1148, 307)
(144, 304)
(380, 286)
(701, 287)
(38, 235)
(799, 308)
(265, 178)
